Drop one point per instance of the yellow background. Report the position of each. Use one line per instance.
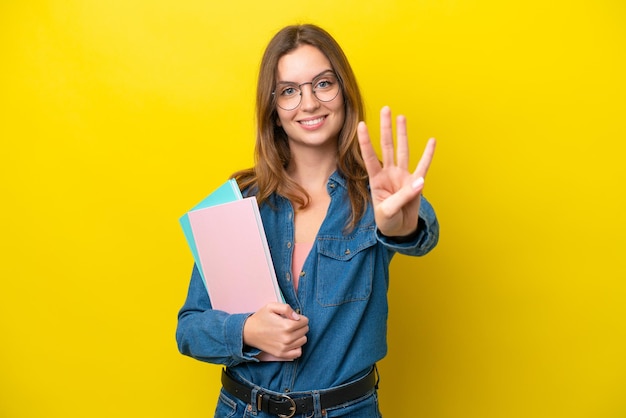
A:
(117, 116)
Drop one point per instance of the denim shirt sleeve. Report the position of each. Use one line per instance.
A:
(207, 334)
(426, 238)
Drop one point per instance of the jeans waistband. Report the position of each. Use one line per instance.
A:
(285, 406)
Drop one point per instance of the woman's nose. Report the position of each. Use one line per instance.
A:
(309, 101)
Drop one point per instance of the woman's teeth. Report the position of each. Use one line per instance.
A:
(312, 121)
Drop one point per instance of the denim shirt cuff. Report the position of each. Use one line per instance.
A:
(423, 240)
(233, 335)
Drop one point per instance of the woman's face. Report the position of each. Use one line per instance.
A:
(313, 123)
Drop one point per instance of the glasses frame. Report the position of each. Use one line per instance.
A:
(299, 86)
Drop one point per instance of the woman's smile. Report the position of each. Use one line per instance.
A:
(312, 123)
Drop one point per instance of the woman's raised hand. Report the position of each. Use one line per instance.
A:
(396, 192)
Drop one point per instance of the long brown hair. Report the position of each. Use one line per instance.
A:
(272, 152)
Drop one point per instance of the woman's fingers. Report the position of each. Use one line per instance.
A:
(401, 157)
(372, 165)
(386, 137)
(427, 158)
(403, 143)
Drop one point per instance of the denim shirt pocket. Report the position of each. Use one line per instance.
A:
(345, 267)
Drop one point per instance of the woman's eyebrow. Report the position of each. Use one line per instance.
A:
(318, 75)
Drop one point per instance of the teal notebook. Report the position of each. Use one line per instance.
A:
(227, 192)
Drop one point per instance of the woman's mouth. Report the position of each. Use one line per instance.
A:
(310, 123)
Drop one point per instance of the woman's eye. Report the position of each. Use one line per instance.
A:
(289, 91)
(324, 84)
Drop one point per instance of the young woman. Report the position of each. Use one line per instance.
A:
(334, 216)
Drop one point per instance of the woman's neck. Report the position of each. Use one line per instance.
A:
(312, 170)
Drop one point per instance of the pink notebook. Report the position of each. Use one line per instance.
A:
(234, 256)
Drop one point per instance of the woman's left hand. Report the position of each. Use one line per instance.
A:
(396, 192)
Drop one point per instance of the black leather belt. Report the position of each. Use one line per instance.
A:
(284, 406)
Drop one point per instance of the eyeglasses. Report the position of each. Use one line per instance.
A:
(325, 88)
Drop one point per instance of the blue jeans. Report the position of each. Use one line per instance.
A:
(365, 407)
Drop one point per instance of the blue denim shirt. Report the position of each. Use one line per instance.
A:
(342, 290)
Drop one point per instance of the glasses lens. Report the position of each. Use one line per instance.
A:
(326, 87)
(288, 97)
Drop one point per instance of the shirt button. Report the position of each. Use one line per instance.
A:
(288, 276)
(289, 244)
(302, 274)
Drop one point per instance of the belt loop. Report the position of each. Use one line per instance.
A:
(317, 404)
(255, 401)
(377, 376)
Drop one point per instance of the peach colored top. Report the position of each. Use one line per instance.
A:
(301, 251)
